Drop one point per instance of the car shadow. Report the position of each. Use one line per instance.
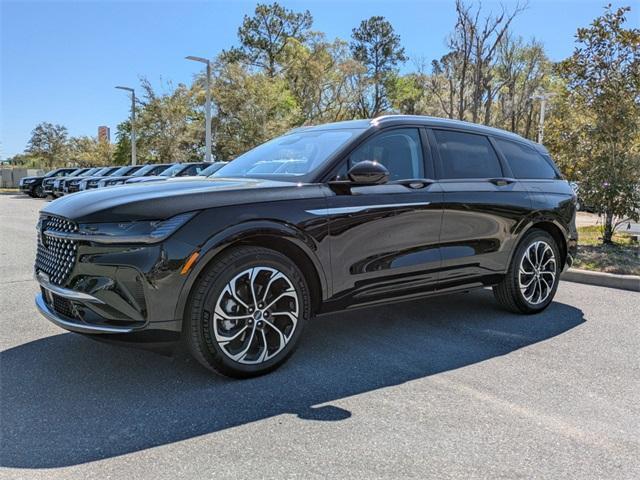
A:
(67, 400)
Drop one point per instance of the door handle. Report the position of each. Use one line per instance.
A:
(413, 183)
(501, 182)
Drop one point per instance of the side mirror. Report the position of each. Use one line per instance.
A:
(368, 172)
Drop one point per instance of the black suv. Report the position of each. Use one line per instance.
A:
(323, 218)
(36, 186)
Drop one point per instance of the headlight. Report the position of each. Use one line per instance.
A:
(30, 180)
(114, 182)
(145, 231)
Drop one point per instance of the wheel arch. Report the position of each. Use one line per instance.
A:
(279, 237)
(553, 228)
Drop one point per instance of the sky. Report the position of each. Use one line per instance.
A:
(60, 61)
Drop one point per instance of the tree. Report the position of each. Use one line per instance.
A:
(265, 35)
(464, 78)
(376, 45)
(252, 108)
(48, 142)
(122, 148)
(89, 152)
(320, 76)
(603, 78)
(169, 126)
(521, 69)
(406, 93)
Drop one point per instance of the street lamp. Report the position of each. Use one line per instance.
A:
(133, 123)
(207, 107)
(543, 97)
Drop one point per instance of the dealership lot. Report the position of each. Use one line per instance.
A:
(450, 387)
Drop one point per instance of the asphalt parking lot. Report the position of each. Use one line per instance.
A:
(450, 387)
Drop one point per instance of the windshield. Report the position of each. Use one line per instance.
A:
(172, 171)
(213, 168)
(120, 172)
(77, 172)
(53, 172)
(100, 171)
(291, 155)
(144, 170)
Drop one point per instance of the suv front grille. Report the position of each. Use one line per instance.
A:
(55, 256)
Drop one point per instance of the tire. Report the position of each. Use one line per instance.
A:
(209, 324)
(38, 192)
(529, 293)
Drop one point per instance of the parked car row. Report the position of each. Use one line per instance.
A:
(62, 181)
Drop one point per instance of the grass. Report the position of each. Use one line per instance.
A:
(623, 256)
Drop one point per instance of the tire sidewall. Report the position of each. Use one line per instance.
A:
(522, 248)
(203, 317)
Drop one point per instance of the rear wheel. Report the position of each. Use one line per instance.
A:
(532, 279)
(247, 312)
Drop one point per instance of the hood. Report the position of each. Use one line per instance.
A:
(24, 179)
(106, 179)
(151, 178)
(161, 200)
(88, 179)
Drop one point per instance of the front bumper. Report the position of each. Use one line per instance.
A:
(78, 311)
(25, 187)
(125, 293)
(48, 312)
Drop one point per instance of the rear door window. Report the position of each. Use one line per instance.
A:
(466, 155)
(524, 161)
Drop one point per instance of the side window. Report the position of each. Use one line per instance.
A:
(399, 150)
(524, 161)
(466, 155)
(191, 171)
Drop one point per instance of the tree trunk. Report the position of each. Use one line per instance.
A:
(608, 229)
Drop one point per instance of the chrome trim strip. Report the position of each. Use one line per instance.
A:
(74, 327)
(360, 208)
(65, 292)
(106, 239)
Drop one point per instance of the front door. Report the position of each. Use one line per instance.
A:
(384, 238)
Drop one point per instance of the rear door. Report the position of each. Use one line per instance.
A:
(384, 238)
(483, 206)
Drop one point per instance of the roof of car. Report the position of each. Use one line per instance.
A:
(419, 120)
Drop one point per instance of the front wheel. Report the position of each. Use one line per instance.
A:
(38, 192)
(532, 279)
(247, 312)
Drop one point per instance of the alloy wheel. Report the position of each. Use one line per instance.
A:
(256, 315)
(537, 273)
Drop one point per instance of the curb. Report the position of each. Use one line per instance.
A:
(602, 279)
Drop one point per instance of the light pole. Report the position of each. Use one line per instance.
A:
(207, 107)
(543, 97)
(133, 123)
